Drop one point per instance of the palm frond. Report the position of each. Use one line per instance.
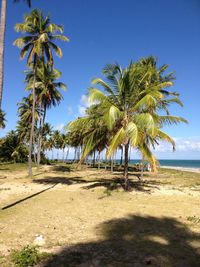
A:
(117, 140)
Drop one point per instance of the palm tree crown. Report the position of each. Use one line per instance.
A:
(40, 39)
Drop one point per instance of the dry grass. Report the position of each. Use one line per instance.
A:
(88, 220)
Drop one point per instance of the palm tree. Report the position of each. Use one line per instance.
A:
(63, 144)
(47, 93)
(25, 110)
(49, 144)
(89, 132)
(11, 148)
(39, 45)
(129, 106)
(2, 42)
(2, 119)
(24, 124)
(57, 141)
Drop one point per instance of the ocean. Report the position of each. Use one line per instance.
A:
(195, 164)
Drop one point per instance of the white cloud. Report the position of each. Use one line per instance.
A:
(59, 127)
(183, 144)
(84, 103)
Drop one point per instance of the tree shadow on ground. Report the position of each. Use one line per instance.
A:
(61, 168)
(60, 180)
(28, 197)
(110, 184)
(134, 241)
(116, 183)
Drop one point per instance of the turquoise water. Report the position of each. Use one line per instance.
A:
(176, 163)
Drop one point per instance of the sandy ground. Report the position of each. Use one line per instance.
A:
(84, 222)
(197, 170)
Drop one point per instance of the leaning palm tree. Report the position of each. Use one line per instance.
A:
(129, 106)
(2, 41)
(38, 43)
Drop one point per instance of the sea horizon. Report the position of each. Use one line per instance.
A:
(176, 163)
(179, 163)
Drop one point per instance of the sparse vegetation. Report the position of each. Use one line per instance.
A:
(27, 256)
(79, 206)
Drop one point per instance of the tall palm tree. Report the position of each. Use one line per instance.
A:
(47, 87)
(2, 41)
(47, 94)
(129, 106)
(38, 43)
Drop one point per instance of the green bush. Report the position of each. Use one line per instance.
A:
(28, 256)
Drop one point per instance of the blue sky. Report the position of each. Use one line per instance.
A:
(103, 32)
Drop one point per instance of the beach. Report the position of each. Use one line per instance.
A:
(181, 168)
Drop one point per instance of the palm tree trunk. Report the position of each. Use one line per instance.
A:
(75, 154)
(94, 159)
(121, 160)
(2, 45)
(30, 173)
(39, 143)
(34, 154)
(63, 155)
(99, 160)
(112, 163)
(67, 154)
(40, 137)
(126, 182)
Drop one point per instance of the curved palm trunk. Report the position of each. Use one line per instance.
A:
(2, 45)
(126, 182)
(30, 173)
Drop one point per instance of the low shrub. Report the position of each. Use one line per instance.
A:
(27, 256)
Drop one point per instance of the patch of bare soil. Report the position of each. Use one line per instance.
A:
(86, 219)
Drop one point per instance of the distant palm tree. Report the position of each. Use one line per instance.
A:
(2, 41)
(25, 110)
(2, 119)
(57, 141)
(39, 45)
